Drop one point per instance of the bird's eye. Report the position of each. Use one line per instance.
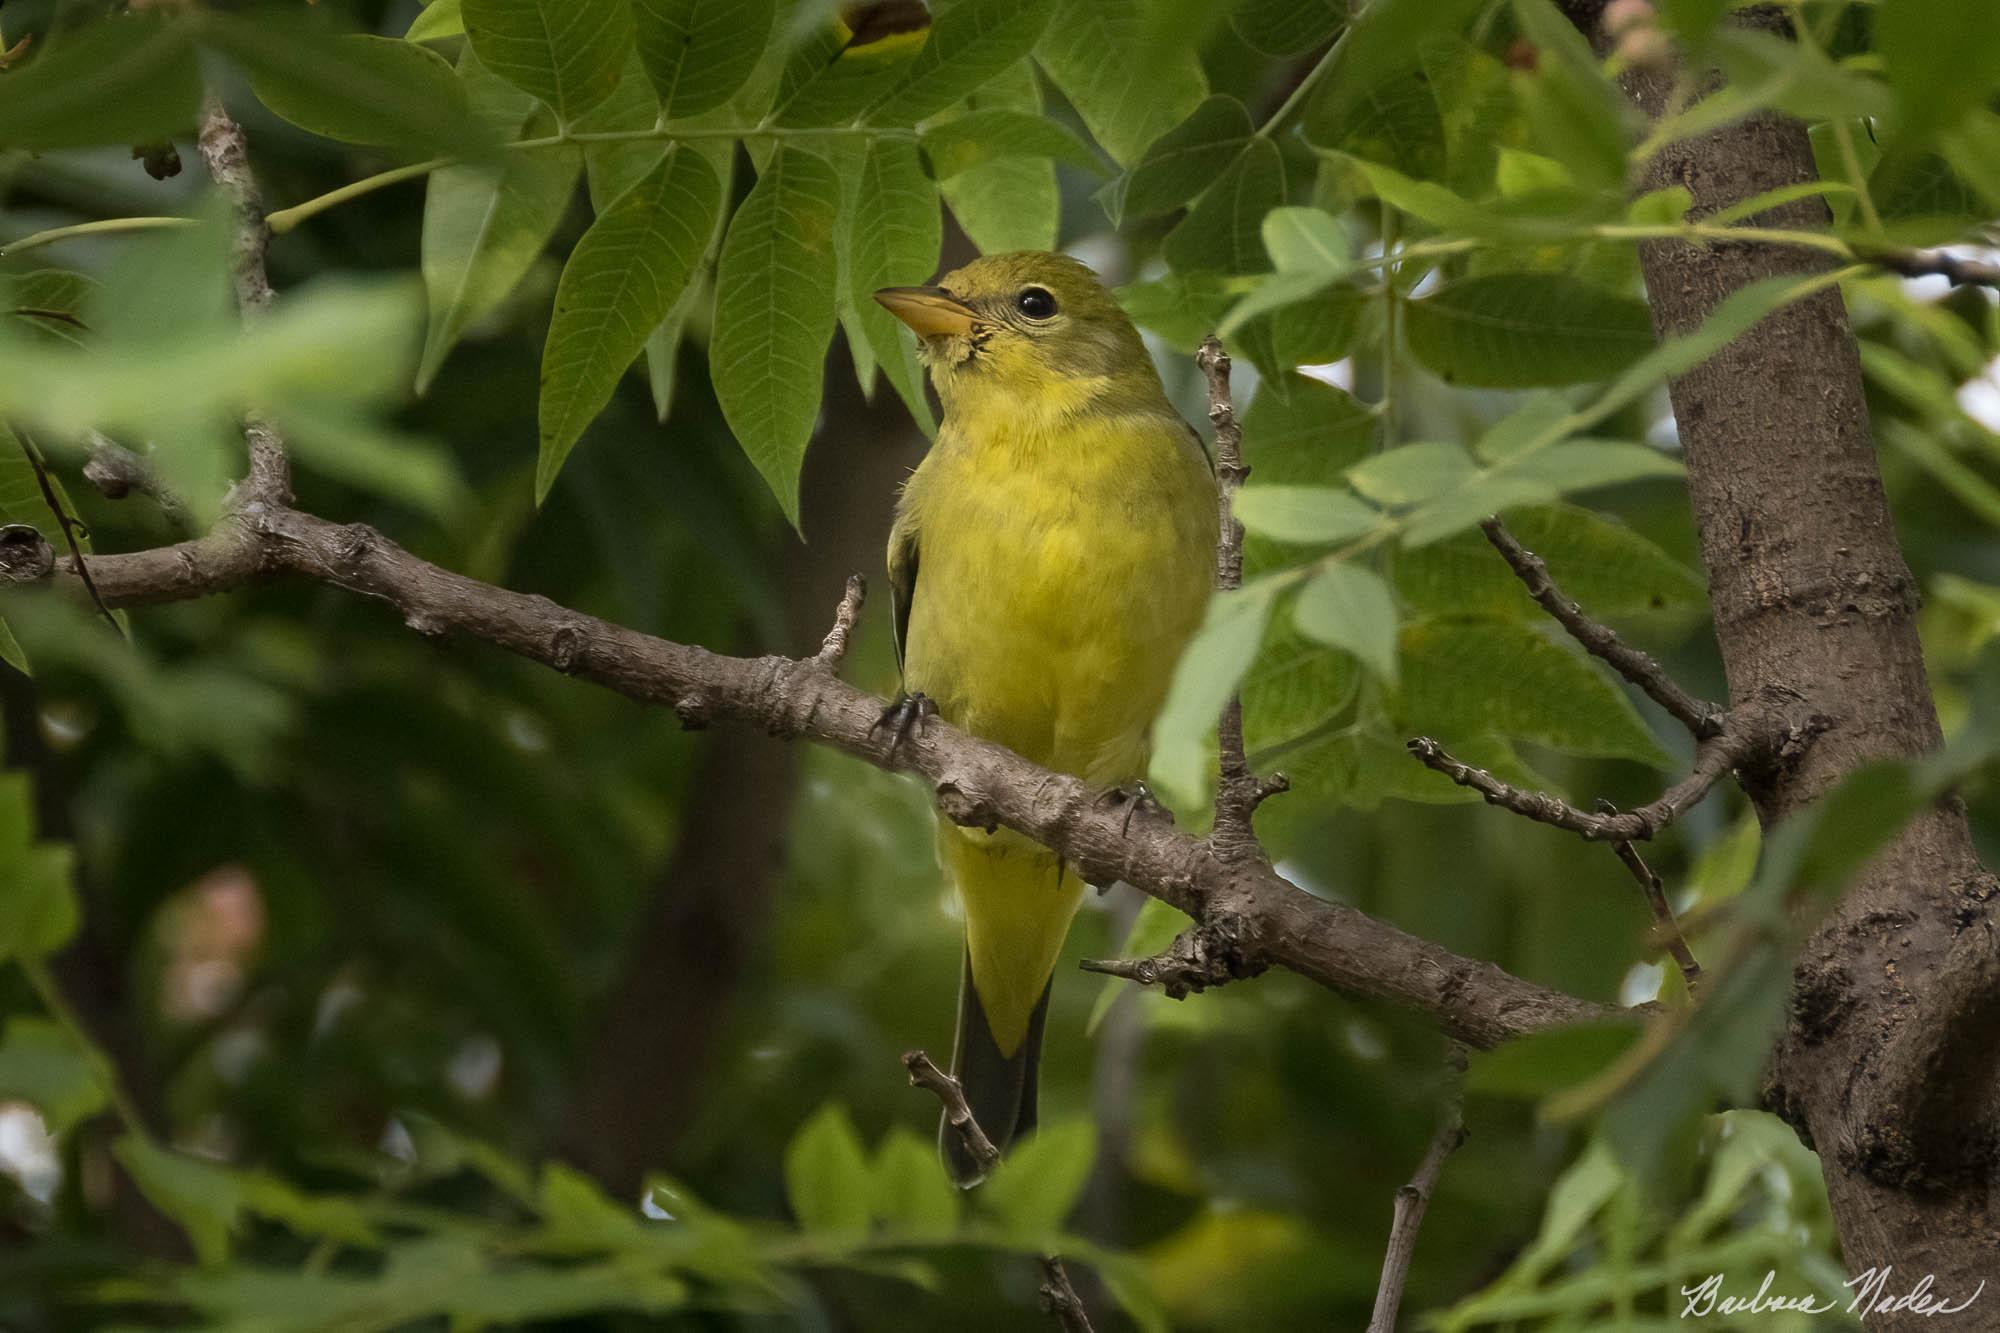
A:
(1035, 303)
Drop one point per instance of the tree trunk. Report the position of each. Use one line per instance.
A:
(1811, 595)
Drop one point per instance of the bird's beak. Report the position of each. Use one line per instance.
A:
(931, 311)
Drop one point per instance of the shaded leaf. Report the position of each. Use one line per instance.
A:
(568, 53)
(1096, 52)
(1604, 565)
(123, 80)
(356, 88)
(979, 137)
(1181, 163)
(697, 53)
(1516, 331)
(1041, 1178)
(826, 1175)
(1223, 231)
(890, 235)
(970, 42)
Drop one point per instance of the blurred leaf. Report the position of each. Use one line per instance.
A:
(1508, 331)
(1603, 565)
(1182, 308)
(122, 80)
(622, 278)
(568, 53)
(1411, 473)
(354, 88)
(1287, 27)
(827, 1177)
(12, 653)
(970, 42)
(1395, 123)
(1181, 163)
(1295, 686)
(1468, 678)
(1309, 515)
(1206, 675)
(1351, 608)
(1095, 51)
(1384, 41)
(208, 1199)
(1942, 57)
(978, 137)
(484, 226)
(1039, 1182)
(40, 1063)
(38, 908)
(911, 1196)
(1223, 231)
(774, 312)
(697, 53)
(49, 303)
(1541, 1063)
(889, 235)
(578, 1217)
(439, 19)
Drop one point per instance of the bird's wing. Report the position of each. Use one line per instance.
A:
(902, 579)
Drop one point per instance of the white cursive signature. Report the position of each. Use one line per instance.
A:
(1871, 1296)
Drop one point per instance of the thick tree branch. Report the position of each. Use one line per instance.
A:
(1699, 716)
(974, 782)
(1414, 1198)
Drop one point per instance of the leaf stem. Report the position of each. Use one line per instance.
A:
(1298, 95)
(285, 219)
(41, 238)
(53, 1000)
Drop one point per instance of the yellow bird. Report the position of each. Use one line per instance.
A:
(1050, 558)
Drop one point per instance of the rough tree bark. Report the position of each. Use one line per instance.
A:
(1893, 1017)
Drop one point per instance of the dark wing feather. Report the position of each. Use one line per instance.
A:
(903, 555)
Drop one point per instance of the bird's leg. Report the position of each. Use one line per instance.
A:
(1134, 796)
(905, 717)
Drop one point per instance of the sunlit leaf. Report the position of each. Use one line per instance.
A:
(697, 53)
(827, 1179)
(1038, 1183)
(1352, 609)
(970, 43)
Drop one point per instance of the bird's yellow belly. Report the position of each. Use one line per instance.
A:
(1068, 620)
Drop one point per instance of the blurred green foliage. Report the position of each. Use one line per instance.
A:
(357, 982)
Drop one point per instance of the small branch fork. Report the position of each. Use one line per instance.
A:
(1220, 947)
(1414, 1198)
(1723, 742)
(1059, 1298)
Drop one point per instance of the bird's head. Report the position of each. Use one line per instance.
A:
(1025, 324)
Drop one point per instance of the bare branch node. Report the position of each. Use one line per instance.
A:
(1059, 1298)
(1202, 957)
(835, 647)
(25, 554)
(925, 1074)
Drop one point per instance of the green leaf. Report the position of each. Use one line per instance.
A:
(1605, 566)
(1471, 678)
(1352, 609)
(1943, 58)
(1306, 515)
(1542, 1063)
(910, 1194)
(360, 89)
(697, 53)
(1207, 674)
(1383, 42)
(484, 226)
(774, 313)
(890, 234)
(1310, 251)
(121, 80)
(1412, 473)
(569, 53)
(48, 303)
(1096, 52)
(622, 278)
(1182, 308)
(42, 1064)
(826, 1175)
(38, 911)
(977, 137)
(1295, 686)
(1287, 27)
(1040, 1180)
(12, 653)
(1520, 330)
(970, 43)
(439, 19)
(832, 76)
(1425, 200)
(1007, 203)
(1181, 163)
(1396, 123)
(1223, 231)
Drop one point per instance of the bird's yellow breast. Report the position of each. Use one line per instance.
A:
(1065, 560)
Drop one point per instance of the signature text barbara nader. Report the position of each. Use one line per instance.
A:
(1873, 1294)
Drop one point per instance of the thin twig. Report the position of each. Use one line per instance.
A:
(835, 647)
(1713, 758)
(1201, 958)
(1699, 716)
(1059, 1298)
(227, 156)
(1238, 790)
(1667, 928)
(1413, 1198)
(67, 522)
(925, 1074)
(116, 472)
(1958, 271)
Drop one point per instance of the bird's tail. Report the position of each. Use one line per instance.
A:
(1018, 903)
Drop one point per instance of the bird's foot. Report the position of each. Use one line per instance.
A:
(1134, 797)
(905, 717)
